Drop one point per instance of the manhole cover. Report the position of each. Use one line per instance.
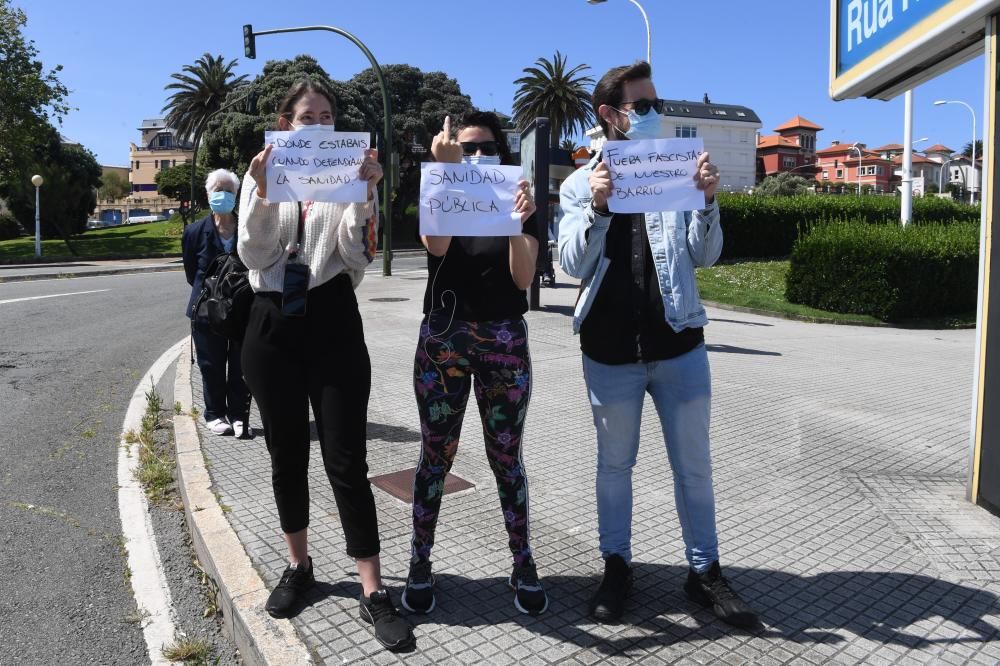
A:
(389, 299)
(400, 484)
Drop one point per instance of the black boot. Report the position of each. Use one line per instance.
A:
(608, 603)
(712, 590)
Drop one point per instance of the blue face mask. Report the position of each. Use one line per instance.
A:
(222, 201)
(650, 126)
(481, 159)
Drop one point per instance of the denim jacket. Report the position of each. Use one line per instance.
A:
(679, 241)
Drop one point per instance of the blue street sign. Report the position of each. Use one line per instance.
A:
(865, 26)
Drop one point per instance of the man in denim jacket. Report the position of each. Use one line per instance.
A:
(640, 323)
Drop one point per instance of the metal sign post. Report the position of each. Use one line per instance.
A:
(535, 159)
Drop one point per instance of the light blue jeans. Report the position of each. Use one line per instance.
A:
(681, 389)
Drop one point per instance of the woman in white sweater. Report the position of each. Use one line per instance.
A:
(305, 344)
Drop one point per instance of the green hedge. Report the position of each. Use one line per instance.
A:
(764, 226)
(885, 270)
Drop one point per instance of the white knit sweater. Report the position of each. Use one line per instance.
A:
(336, 238)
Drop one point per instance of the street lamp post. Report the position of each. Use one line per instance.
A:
(855, 147)
(392, 176)
(37, 181)
(649, 38)
(972, 189)
(941, 175)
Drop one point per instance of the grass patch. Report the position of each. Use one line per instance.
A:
(188, 650)
(156, 238)
(155, 471)
(760, 285)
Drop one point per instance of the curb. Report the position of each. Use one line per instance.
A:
(107, 271)
(261, 639)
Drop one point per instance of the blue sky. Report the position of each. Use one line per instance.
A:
(770, 56)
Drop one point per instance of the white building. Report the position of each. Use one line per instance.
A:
(729, 133)
(956, 168)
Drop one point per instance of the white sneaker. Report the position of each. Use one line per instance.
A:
(238, 429)
(220, 427)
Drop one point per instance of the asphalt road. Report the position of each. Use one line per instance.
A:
(68, 366)
(71, 353)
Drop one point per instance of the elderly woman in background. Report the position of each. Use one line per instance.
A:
(227, 399)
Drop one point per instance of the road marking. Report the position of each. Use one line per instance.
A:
(149, 583)
(35, 298)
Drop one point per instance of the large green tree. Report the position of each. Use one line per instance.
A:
(113, 187)
(69, 194)
(29, 94)
(31, 98)
(175, 182)
(200, 89)
(551, 90)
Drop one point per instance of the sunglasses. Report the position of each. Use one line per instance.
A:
(642, 106)
(485, 147)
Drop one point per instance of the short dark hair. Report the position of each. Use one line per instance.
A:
(299, 90)
(609, 89)
(490, 121)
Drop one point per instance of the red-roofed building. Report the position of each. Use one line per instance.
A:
(854, 165)
(793, 148)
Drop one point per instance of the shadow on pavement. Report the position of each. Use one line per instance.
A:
(880, 606)
(729, 349)
(741, 321)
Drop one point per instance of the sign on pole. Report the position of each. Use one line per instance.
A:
(881, 48)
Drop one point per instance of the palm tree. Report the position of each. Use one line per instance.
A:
(568, 144)
(967, 151)
(549, 90)
(201, 90)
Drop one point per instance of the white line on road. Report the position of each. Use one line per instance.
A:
(35, 298)
(149, 583)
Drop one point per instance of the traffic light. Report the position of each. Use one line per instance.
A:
(185, 207)
(249, 45)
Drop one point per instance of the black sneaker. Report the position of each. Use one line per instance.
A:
(391, 630)
(529, 596)
(712, 590)
(284, 598)
(608, 603)
(418, 595)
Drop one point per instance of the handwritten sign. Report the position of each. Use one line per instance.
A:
(468, 200)
(652, 175)
(316, 164)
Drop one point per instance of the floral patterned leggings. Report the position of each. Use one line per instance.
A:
(491, 357)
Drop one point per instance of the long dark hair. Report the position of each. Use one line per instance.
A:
(298, 91)
(489, 120)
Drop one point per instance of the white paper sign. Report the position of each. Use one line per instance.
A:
(652, 175)
(316, 164)
(468, 200)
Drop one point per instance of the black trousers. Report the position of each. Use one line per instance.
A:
(226, 395)
(322, 359)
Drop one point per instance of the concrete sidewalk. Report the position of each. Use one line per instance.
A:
(840, 462)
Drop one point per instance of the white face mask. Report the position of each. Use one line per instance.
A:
(317, 126)
(481, 159)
